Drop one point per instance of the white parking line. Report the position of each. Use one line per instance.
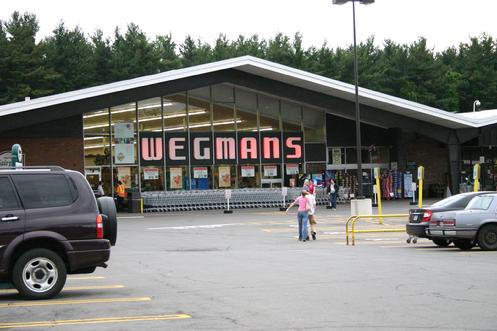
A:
(190, 227)
(130, 217)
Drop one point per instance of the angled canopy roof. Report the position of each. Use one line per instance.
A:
(273, 71)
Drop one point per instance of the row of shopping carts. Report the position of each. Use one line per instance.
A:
(169, 201)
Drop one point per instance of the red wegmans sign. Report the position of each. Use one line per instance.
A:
(204, 148)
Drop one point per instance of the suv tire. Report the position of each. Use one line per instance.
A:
(464, 244)
(39, 274)
(487, 237)
(441, 242)
(107, 207)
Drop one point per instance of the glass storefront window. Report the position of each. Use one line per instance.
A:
(224, 110)
(291, 114)
(152, 179)
(269, 113)
(199, 112)
(150, 115)
(201, 177)
(175, 112)
(248, 176)
(314, 125)
(246, 110)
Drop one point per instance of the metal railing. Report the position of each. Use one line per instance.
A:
(353, 219)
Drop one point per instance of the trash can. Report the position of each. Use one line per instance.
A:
(134, 202)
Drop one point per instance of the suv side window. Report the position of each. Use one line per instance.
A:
(8, 199)
(43, 191)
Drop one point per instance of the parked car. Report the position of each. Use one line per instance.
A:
(51, 225)
(476, 224)
(419, 218)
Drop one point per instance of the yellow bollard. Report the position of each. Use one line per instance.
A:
(476, 177)
(141, 206)
(421, 176)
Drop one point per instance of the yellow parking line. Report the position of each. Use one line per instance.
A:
(71, 302)
(85, 277)
(75, 288)
(93, 321)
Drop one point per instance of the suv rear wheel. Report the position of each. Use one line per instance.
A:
(107, 207)
(487, 237)
(39, 274)
(464, 244)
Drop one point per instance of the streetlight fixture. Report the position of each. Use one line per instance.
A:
(356, 81)
(476, 103)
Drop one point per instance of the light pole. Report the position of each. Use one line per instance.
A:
(356, 83)
(476, 103)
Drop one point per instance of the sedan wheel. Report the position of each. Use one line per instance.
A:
(464, 244)
(487, 237)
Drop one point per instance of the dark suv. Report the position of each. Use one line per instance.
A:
(51, 225)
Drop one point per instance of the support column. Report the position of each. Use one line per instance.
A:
(454, 161)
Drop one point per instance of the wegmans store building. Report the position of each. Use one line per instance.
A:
(243, 123)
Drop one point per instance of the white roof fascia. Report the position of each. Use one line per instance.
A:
(255, 65)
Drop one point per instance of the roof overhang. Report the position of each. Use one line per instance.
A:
(272, 71)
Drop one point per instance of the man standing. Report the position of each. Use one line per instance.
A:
(121, 193)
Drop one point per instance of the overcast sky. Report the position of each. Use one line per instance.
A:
(443, 22)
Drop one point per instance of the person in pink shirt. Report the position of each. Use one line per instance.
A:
(302, 214)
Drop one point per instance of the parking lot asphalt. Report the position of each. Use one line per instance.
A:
(247, 271)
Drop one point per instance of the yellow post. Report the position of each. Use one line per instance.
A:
(421, 176)
(378, 192)
(141, 206)
(476, 177)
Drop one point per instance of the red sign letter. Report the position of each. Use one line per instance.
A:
(245, 150)
(297, 148)
(271, 144)
(151, 149)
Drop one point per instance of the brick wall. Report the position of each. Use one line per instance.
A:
(57, 142)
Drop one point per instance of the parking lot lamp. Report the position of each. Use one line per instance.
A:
(356, 83)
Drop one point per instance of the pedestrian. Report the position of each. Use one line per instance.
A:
(120, 192)
(306, 185)
(312, 188)
(302, 214)
(100, 189)
(312, 214)
(332, 191)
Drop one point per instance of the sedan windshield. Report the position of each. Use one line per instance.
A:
(481, 203)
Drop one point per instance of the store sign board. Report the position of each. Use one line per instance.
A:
(203, 148)
(124, 154)
(336, 155)
(124, 130)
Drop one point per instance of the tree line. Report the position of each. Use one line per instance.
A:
(70, 59)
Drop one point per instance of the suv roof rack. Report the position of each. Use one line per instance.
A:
(33, 168)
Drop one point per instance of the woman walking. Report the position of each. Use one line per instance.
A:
(302, 214)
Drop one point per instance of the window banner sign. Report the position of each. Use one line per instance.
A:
(124, 154)
(124, 130)
(293, 147)
(176, 148)
(292, 169)
(336, 155)
(224, 176)
(201, 148)
(248, 171)
(248, 151)
(124, 175)
(200, 172)
(270, 171)
(176, 178)
(150, 173)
